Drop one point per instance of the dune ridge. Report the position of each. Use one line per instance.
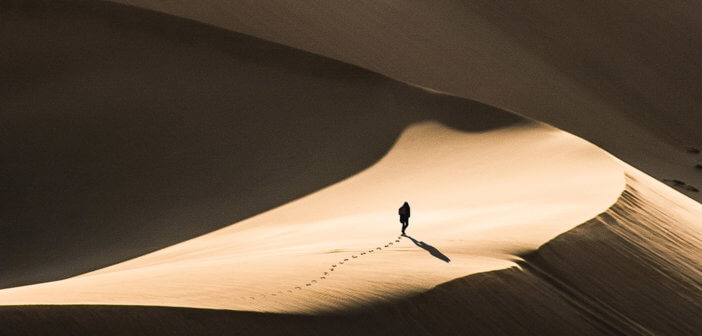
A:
(273, 262)
(126, 131)
(603, 261)
(157, 233)
(591, 69)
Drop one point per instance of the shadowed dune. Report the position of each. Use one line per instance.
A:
(620, 273)
(590, 68)
(274, 261)
(125, 131)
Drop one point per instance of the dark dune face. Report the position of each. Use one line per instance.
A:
(624, 75)
(125, 131)
(639, 57)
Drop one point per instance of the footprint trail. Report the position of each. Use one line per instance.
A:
(324, 275)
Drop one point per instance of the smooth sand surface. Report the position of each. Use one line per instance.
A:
(147, 160)
(126, 131)
(632, 270)
(592, 69)
(331, 250)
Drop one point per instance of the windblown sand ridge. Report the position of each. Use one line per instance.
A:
(611, 275)
(126, 131)
(133, 140)
(590, 68)
(310, 255)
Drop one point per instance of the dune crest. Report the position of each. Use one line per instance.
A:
(590, 68)
(147, 130)
(478, 202)
(182, 178)
(634, 269)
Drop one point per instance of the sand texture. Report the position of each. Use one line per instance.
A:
(590, 68)
(214, 167)
(610, 275)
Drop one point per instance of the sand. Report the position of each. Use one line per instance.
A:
(331, 251)
(163, 176)
(147, 131)
(592, 69)
(618, 273)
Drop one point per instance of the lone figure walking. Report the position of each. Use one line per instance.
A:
(404, 213)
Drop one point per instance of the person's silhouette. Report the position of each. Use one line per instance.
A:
(404, 213)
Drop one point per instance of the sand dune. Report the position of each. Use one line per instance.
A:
(126, 131)
(331, 250)
(591, 69)
(186, 179)
(632, 270)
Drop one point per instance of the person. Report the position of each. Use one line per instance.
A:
(404, 213)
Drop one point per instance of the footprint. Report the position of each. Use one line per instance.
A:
(380, 249)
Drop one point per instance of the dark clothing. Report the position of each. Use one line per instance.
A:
(404, 213)
(405, 223)
(404, 210)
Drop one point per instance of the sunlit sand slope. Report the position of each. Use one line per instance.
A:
(638, 265)
(125, 131)
(478, 202)
(632, 270)
(591, 68)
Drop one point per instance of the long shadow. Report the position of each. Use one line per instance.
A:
(431, 249)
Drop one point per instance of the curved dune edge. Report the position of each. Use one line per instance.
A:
(478, 202)
(634, 270)
(552, 61)
(596, 277)
(125, 131)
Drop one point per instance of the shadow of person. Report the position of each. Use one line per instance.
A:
(431, 249)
